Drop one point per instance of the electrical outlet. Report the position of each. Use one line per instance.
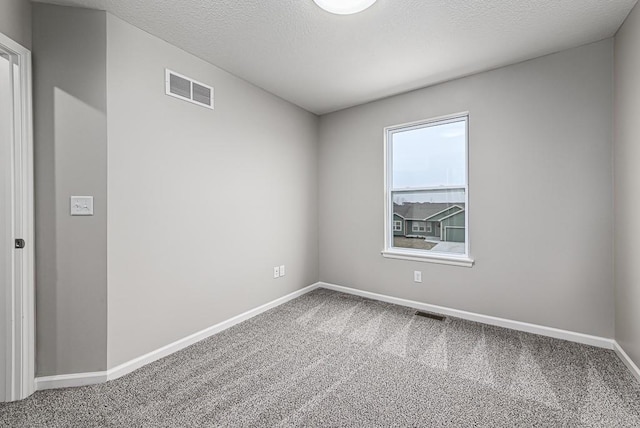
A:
(276, 272)
(281, 270)
(417, 276)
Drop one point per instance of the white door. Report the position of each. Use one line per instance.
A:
(16, 223)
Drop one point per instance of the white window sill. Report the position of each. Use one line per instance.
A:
(420, 256)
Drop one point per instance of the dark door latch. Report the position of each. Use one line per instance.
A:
(20, 243)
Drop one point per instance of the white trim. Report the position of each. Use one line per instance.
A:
(440, 120)
(454, 214)
(389, 251)
(455, 205)
(81, 379)
(633, 368)
(169, 349)
(70, 380)
(467, 235)
(426, 189)
(586, 339)
(425, 256)
(22, 320)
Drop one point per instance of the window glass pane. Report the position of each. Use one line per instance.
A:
(430, 156)
(432, 220)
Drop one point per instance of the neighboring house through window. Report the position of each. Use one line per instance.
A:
(427, 184)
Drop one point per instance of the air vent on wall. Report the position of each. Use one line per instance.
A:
(187, 89)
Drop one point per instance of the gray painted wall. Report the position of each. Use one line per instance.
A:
(183, 180)
(177, 173)
(540, 143)
(70, 128)
(15, 21)
(627, 181)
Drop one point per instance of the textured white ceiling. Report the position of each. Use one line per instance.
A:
(324, 62)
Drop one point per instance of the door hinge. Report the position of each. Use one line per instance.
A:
(20, 243)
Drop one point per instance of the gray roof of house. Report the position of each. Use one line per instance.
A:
(421, 210)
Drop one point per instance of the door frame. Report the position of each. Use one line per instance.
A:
(20, 320)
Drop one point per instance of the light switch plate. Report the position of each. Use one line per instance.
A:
(82, 205)
(417, 276)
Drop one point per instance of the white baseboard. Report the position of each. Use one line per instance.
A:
(169, 349)
(635, 371)
(70, 380)
(82, 379)
(586, 339)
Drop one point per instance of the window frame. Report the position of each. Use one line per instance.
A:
(397, 225)
(413, 254)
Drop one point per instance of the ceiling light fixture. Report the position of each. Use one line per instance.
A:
(344, 7)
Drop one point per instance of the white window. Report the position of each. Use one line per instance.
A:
(417, 227)
(426, 177)
(397, 226)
